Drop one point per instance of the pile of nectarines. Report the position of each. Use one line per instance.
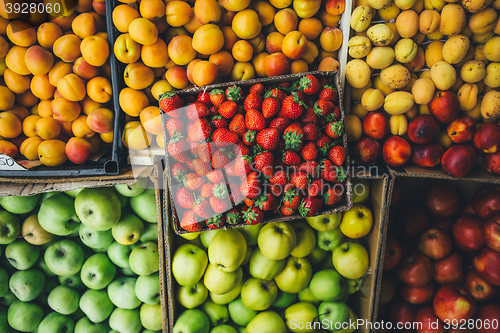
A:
(54, 84)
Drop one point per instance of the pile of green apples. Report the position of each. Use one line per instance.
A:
(82, 261)
(273, 278)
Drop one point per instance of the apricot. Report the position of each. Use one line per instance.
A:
(15, 60)
(27, 99)
(138, 76)
(52, 153)
(44, 108)
(311, 28)
(29, 125)
(38, 61)
(83, 6)
(331, 39)
(40, 86)
(246, 24)
(294, 45)
(452, 19)
(152, 9)
(85, 70)
(178, 13)
(159, 87)
(180, 50)
(264, 10)
(58, 71)
(88, 105)
(258, 64)
(143, 31)
(207, 11)
(84, 25)
(189, 69)
(29, 147)
(95, 50)
(434, 53)
(258, 43)
(101, 120)
(276, 64)
(71, 87)
(21, 33)
(99, 89)
(18, 84)
(193, 24)
(155, 55)
(126, 49)
(47, 128)
(78, 150)
(151, 120)
(67, 47)
(286, 20)
(205, 72)
(123, 15)
(242, 51)
(8, 148)
(242, 71)
(274, 42)
(159, 140)
(311, 53)
(328, 64)
(132, 101)
(208, 32)
(281, 3)
(4, 47)
(224, 61)
(107, 137)
(10, 125)
(177, 77)
(64, 111)
(19, 111)
(135, 136)
(80, 128)
(329, 20)
(298, 66)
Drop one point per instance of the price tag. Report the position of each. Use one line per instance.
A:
(8, 163)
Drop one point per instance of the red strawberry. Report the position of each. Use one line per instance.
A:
(206, 190)
(276, 92)
(253, 215)
(253, 101)
(235, 195)
(213, 111)
(309, 84)
(323, 107)
(196, 110)
(291, 157)
(293, 136)
(292, 107)
(331, 172)
(310, 167)
(222, 158)
(189, 222)
(241, 149)
(268, 138)
(234, 93)
(271, 106)
(202, 208)
(332, 195)
(310, 206)
(205, 151)
(179, 171)
(233, 216)
(223, 137)
(200, 130)
(287, 211)
(264, 162)
(216, 221)
(215, 176)
(324, 143)
(275, 189)
(311, 132)
(329, 93)
(228, 109)
(184, 198)
(254, 120)
(178, 148)
(292, 199)
(279, 178)
(250, 185)
(323, 81)
(267, 202)
(189, 164)
(201, 168)
(280, 124)
(220, 200)
(340, 174)
(335, 115)
(249, 138)
(309, 152)
(217, 97)
(237, 125)
(337, 155)
(334, 129)
(204, 97)
(316, 187)
(219, 122)
(174, 125)
(170, 103)
(249, 202)
(300, 180)
(309, 116)
(242, 165)
(257, 88)
(192, 146)
(193, 181)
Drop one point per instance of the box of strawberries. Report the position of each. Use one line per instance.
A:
(256, 151)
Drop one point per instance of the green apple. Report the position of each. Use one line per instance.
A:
(251, 233)
(50, 284)
(56, 323)
(305, 295)
(57, 215)
(360, 190)
(150, 233)
(248, 255)
(72, 281)
(121, 292)
(74, 193)
(353, 286)
(258, 294)
(147, 288)
(192, 321)
(223, 329)
(21, 254)
(227, 297)
(151, 317)
(327, 285)
(329, 240)
(306, 239)
(144, 259)
(188, 264)
(93, 238)
(357, 221)
(351, 260)
(47, 195)
(263, 268)
(33, 233)
(98, 208)
(27, 285)
(266, 322)
(240, 314)
(284, 300)
(97, 271)
(123, 199)
(325, 222)
(8, 299)
(192, 296)
(126, 272)
(190, 235)
(19, 205)
(295, 276)
(352, 319)
(207, 236)
(227, 250)
(300, 317)
(84, 325)
(119, 254)
(316, 256)
(4, 282)
(132, 190)
(24, 316)
(144, 205)
(63, 300)
(335, 314)
(125, 321)
(10, 227)
(128, 230)
(220, 282)
(217, 313)
(278, 239)
(96, 305)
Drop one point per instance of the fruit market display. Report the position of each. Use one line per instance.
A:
(442, 261)
(274, 148)
(55, 84)
(279, 277)
(180, 44)
(81, 261)
(434, 94)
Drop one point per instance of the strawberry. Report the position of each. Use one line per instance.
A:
(254, 120)
(249, 138)
(257, 88)
(280, 124)
(275, 189)
(292, 107)
(332, 195)
(223, 137)
(340, 174)
(335, 115)
(291, 157)
(329, 93)
(196, 110)
(264, 162)
(189, 222)
(267, 202)
(206, 190)
(170, 103)
(184, 198)
(324, 143)
(215, 176)
(287, 211)
(200, 130)
(323, 107)
(310, 206)
(233, 216)
(316, 187)
(205, 151)
(277, 93)
(242, 165)
(300, 180)
(174, 125)
(279, 178)
(228, 109)
(250, 185)
(202, 208)
(309, 84)
(189, 164)
(221, 158)
(178, 148)
(217, 97)
(309, 116)
(271, 106)
(179, 171)
(268, 138)
(311, 132)
(253, 215)
(293, 136)
(334, 129)
(204, 97)
(309, 167)
(216, 221)
(235, 195)
(220, 200)
(241, 149)
(193, 181)
(331, 172)
(234, 93)
(213, 111)
(201, 168)
(253, 101)
(292, 199)
(219, 122)
(237, 125)
(309, 152)
(249, 202)
(192, 146)
(337, 155)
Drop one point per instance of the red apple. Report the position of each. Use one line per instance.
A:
(487, 138)
(412, 220)
(489, 314)
(444, 106)
(417, 295)
(428, 155)
(367, 150)
(458, 161)
(443, 224)
(423, 129)
(478, 287)
(453, 302)
(401, 312)
(487, 265)
(415, 270)
(491, 230)
(396, 151)
(376, 125)
(442, 199)
(435, 243)
(449, 269)
(428, 322)
(468, 234)
(492, 162)
(462, 129)
(486, 201)
(393, 253)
